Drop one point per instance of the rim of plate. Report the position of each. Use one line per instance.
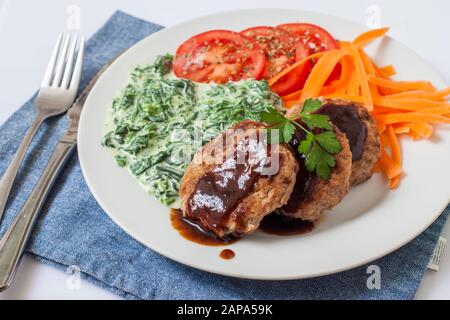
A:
(81, 142)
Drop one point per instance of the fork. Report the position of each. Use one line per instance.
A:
(57, 93)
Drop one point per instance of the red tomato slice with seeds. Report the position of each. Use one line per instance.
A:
(293, 80)
(219, 56)
(277, 45)
(310, 38)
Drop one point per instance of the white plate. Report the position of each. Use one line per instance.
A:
(369, 223)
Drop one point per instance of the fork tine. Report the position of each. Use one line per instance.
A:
(61, 62)
(69, 65)
(75, 81)
(51, 64)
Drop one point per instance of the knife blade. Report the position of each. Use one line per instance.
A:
(12, 244)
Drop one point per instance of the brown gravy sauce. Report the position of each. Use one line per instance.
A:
(227, 254)
(220, 190)
(283, 226)
(347, 119)
(194, 232)
(272, 224)
(303, 178)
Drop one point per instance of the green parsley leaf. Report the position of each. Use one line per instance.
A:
(305, 145)
(311, 105)
(320, 160)
(272, 116)
(288, 131)
(328, 141)
(320, 121)
(281, 129)
(317, 148)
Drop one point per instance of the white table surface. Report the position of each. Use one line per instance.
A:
(28, 30)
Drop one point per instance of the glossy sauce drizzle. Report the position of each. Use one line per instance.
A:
(219, 192)
(347, 119)
(194, 232)
(302, 179)
(227, 254)
(284, 226)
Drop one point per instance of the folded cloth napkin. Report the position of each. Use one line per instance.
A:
(74, 231)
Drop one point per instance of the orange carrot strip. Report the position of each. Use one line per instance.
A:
(346, 73)
(408, 104)
(362, 77)
(386, 71)
(370, 70)
(401, 128)
(411, 117)
(353, 85)
(437, 95)
(407, 94)
(381, 126)
(280, 74)
(382, 110)
(369, 36)
(389, 167)
(320, 73)
(290, 103)
(395, 146)
(394, 182)
(422, 129)
(401, 85)
(438, 110)
(384, 139)
(293, 95)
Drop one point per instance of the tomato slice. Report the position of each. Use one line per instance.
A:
(278, 46)
(310, 38)
(219, 56)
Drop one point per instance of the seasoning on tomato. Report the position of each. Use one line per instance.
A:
(219, 56)
(277, 45)
(310, 39)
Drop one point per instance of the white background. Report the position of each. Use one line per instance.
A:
(28, 30)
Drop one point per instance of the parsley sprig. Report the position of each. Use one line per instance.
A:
(318, 148)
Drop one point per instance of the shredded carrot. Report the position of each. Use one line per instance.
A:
(370, 70)
(279, 75)
(411, 117)
(398, 107)
(381, 126)
(394, 182)
(438, 95)
(395, 146)
(369, 36)
(320, 73)
(386, 71)
(361, 76)
(408, 104)
(406, 94)
(389, 167)
(400, 128)
(421, 129)
(401, 85)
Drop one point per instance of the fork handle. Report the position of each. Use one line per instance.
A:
(12, 244)
(9, 176)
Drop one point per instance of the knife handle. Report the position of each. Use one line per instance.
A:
(12, 244)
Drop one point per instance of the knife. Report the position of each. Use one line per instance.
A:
(12, 244)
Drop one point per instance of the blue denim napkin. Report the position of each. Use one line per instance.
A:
(74, 231)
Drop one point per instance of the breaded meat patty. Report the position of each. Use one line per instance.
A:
(354, 120)
(236, 179)
(313, 195)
